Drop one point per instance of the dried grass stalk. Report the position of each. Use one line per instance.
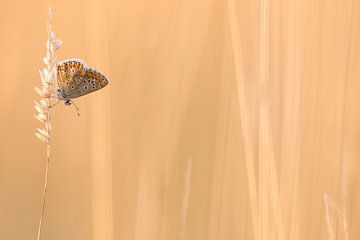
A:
(330, 207)
(244, 116)
(335, 215)
(43, 106)
(186, 197)
(266, 141)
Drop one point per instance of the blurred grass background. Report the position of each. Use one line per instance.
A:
(223, 119)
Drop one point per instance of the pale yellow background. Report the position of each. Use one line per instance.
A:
(259, 99)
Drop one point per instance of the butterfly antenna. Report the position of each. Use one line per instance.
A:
(76, 107)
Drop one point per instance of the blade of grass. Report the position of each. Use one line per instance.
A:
(248, 148)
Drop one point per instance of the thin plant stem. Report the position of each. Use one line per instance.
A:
(43, 107)
(44, 190)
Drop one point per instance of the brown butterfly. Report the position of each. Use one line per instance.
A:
(76, 79)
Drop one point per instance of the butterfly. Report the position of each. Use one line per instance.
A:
(76, 79)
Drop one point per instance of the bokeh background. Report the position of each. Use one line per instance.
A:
(223, 119)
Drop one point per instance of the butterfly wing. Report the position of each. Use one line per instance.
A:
(66, 70)
(91, 81)
(75, 79)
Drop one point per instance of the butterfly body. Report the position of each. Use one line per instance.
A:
(76, 79)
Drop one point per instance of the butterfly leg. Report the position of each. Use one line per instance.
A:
(53, 97)
(55, 104)
(76, 107)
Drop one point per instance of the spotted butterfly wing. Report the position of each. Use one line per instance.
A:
(81, 85)
(75, 79)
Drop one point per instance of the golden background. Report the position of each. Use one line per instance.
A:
(223, 119)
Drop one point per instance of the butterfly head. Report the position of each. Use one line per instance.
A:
(62, 96)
